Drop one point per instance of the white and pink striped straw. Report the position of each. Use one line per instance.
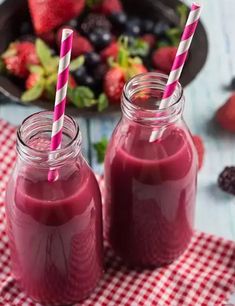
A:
(61, 92)
(180, 59)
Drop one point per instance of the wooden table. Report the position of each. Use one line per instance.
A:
(215, 210)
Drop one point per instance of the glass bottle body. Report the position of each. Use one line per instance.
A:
(150, 184)
(54, 228)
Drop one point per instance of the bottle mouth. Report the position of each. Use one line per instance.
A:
(142, 97)
(34, 138)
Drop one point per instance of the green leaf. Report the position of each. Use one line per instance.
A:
(174, 35)
(163, 43)
(36, 69)
(82, 96)
(49, 62)
(11, 51)
(139, 47)
(34, 93)
(103, 102)
(182, 11)
(100, 148)
(77, 63)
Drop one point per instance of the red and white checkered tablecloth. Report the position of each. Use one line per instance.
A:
(204, 275)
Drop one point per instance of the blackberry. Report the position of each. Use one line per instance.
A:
(95, 21)
(226, 180)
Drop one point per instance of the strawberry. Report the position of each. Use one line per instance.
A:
(19, 56)
(198, 142)
(72, 82)
(32, 80)
(123, 69)
(110, 51)
(163, 58)
(107, 7)
(114, 82)
(225, 115)
(48, 37)
(81, 45)
(150, 39)
(48, 14)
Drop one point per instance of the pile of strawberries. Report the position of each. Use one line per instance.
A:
(109, 47)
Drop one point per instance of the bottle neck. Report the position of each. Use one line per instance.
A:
(141, 100)
(34, 137)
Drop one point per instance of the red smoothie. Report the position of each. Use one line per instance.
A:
(55, 236)
(150, 193)
(54, 228)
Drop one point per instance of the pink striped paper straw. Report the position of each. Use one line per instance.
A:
(61, 92)
(180, 58)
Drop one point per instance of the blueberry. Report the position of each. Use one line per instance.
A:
(90, 82)
(92, 59)
(73, 23)
(160, 29)
(148, 25)
(119, 20)
(133, 27)
(100, 38)
(80, 74)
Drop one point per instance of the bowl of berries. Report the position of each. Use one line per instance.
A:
(113, 41)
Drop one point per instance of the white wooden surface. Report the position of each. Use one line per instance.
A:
(215, 210)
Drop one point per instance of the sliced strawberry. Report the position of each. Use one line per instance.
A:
(32, 80)
(48, 14)
(114, 82)
(110, 51)
(163, 58)
(19, 56)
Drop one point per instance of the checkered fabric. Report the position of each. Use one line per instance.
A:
(204, 275)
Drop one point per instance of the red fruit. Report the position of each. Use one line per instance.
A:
(32, 79)
(198, 142)
(139, 68)
(225, 115)
(149, 39)
(19, 56)
(110, 51)
(48, 37)
(108, 7)
(72, 82)
(163, 58)
(114, 82)
(49, 14)
(81, 45)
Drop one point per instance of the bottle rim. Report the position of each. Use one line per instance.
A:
(153, 82)
(34, 125)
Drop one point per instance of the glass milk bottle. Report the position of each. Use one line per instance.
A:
(54, 228)
(150, 184)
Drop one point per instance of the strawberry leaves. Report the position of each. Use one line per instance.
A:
(83, 96)
(34, 93)
(49, 62)
(77, 63)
